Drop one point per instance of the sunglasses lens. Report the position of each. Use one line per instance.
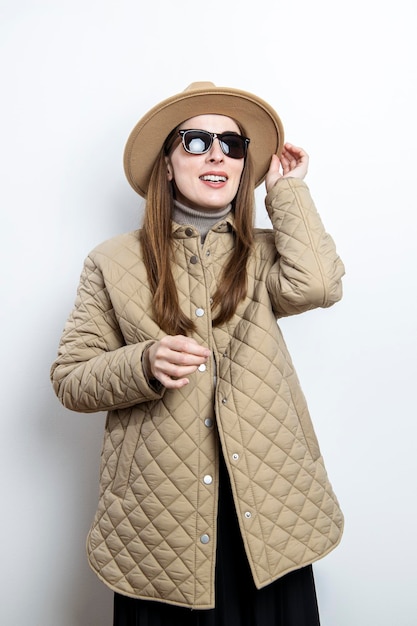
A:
(197, 142)
(233, 146)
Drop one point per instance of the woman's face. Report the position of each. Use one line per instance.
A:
(196, 176)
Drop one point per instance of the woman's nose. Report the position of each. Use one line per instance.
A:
(215, 153)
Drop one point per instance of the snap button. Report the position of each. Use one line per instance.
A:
(208, 479)
(235, 456)
(204, 538)
(193, 260)
(224, 401)
(208, 253)
(189, 232)
(202, 367)
(199, 312)
(248, 514)
(208, 422)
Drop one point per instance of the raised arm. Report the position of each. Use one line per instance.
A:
(308, 271)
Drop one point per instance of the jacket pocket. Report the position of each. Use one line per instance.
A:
(304, 418)
(127, 453)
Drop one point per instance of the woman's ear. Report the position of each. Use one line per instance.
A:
(170, 172)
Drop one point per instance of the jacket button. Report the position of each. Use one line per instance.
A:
(248, 514)
(189, 232)
(204, 538)
(235, 456)
(193, 260)
(199, 312)
(208, 479)
(202, 367)
(208, 422)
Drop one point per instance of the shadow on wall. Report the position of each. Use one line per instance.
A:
(51, 491)
(77, 439)
(72, 443)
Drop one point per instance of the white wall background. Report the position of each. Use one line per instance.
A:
(76, 75)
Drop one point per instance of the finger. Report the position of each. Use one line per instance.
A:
(290, 147)
(290, 160)
(180, 359)
(171, 351)
(172, 383)
(286, 162)
(274, 172)
(295, 152)
(185, 345)
(172, 370)
(274, 164)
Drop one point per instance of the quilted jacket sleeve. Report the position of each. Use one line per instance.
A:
(308, 271)
(95, 370)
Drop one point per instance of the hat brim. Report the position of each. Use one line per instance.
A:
(258, 119)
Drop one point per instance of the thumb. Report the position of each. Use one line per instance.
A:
(274, 173)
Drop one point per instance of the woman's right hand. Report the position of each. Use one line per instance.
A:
(292, 164)
(173, 358)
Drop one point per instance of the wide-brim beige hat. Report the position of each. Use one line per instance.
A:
(258, 119)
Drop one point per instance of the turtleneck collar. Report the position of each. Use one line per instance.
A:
(200, 219)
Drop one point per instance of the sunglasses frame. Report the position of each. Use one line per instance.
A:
(213, 136)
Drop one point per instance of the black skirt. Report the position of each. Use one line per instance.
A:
(289, 601)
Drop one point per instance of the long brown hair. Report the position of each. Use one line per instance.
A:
(156, 240)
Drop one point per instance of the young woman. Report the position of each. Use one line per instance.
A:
(214, 496)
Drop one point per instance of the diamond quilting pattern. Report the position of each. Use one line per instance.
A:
(154, 505)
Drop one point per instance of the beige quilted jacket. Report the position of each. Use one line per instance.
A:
(154, 534)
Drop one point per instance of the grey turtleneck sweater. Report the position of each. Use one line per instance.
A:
(202, 220)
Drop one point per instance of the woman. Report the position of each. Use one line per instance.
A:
(214, 495)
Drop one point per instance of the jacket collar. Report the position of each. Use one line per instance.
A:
(185, 231)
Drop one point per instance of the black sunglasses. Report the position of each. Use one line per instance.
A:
(200, 141)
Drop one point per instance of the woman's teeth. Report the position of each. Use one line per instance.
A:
(214, 179)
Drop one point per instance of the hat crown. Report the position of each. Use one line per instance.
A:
(200, 85)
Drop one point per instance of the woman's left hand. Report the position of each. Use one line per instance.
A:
(293, 163)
